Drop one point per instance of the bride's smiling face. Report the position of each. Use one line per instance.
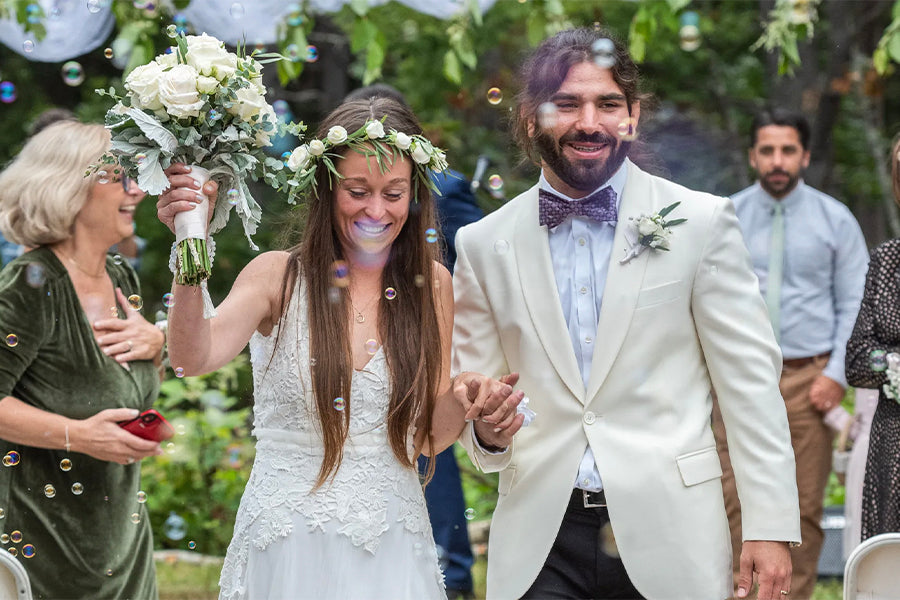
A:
(371, 207)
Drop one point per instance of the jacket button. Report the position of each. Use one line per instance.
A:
(589, 418)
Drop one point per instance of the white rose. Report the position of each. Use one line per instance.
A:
(249, 103)
(167, 60)
(337, 135)
(143, 83)
(374, 130)
(420, 154)
(208, 55)
(299, 158)
(646, 226)
(207, 85)
(316, 147)
(403, 141)
(266, 115)
(178, 92)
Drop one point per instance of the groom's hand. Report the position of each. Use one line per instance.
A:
(771, 562)
(492, 405)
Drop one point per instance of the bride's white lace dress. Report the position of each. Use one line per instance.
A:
(365, 535)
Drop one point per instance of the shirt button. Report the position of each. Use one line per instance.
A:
(583, 290)
(581, 241)
(589, 418)
(588, 340)
(585, 482)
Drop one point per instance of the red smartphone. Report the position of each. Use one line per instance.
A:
(149, 425)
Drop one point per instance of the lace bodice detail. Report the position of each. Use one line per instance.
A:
(370, 483)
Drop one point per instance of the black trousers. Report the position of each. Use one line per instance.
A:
(583, 562)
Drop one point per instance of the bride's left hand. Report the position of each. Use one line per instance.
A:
(131, 338)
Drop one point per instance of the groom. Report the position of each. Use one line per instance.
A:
(614, 490)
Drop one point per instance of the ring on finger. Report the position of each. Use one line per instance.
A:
(130, 461)
(130, 345)
(784, 592)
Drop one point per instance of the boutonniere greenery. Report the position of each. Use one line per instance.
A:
(651, 231)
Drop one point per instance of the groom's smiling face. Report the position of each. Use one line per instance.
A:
(585, 145)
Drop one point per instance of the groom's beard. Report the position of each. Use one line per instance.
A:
(583, 175)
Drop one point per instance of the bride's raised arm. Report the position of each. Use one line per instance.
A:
(198, 345)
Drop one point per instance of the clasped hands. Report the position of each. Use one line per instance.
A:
(131, 338)
(491, 404)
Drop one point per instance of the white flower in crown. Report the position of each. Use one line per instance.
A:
(337, 135)
(374, 130)
(420, 153)
(317, 147)
(403, 141)
(651, 231)
(299, 158)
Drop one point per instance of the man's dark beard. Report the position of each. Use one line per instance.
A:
(583, 175)
(783, 191)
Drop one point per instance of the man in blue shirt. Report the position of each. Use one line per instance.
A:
(810, 257)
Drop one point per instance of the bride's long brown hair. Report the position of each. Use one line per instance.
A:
(408, 324)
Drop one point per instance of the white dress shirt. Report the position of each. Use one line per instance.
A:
(580, 249)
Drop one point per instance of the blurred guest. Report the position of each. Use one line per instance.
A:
(809, 255)
(877, 333)
(76, 361)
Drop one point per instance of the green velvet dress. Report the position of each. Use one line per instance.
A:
(74, 522)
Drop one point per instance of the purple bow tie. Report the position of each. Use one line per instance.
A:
(599, 206)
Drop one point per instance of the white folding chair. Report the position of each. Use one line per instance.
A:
(14, 584)
(873, 569)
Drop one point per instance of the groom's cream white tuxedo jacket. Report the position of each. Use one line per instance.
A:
(671, 325)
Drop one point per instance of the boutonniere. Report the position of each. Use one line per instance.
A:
(650, 232)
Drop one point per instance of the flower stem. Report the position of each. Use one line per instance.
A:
(192, 262)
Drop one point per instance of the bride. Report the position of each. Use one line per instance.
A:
(349, 338)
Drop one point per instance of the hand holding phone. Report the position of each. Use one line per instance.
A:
(149, 425)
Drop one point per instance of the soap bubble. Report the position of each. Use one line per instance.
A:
(495, 96)
(72, 73)
(431, 235)
(136, 302)
(339, 404)
(604, 51)
(236, 10)
(312, 54)
(7, 92)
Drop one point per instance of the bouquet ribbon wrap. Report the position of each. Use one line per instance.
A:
(192, 260)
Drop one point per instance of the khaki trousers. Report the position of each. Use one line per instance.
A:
(812, 441)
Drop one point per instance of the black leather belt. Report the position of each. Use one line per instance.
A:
(586, 499)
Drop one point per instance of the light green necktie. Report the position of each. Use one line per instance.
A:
(776, 267)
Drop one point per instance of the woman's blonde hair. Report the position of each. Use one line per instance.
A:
(45, 187)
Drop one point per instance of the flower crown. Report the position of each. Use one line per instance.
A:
(369, 140)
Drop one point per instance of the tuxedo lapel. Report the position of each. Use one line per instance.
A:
(623, 282)
(541, 296)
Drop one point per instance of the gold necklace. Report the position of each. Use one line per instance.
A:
(360, 318)
(79, 267)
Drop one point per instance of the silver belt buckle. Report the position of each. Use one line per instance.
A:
(588, 504)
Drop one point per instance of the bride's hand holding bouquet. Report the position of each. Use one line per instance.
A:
(203, 106)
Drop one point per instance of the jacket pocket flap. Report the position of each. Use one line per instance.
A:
(697, 467)
(659, 294)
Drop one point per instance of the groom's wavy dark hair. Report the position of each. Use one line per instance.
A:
(408, 324)
(544, 71)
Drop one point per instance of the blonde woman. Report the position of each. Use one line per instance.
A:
(74, 361)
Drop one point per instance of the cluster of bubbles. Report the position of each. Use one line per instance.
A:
(7, 92)
(878, 360)
(547, 115)
(494, 96)
(11, 459)
(308, 54)
(15, 537)
(604, 53)
(689, 34)
(72, 73)
(136, 302)
(12, 340)
(175, 527)
(627, 129)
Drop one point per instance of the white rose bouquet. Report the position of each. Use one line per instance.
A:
(370, 140)
(204, 106)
